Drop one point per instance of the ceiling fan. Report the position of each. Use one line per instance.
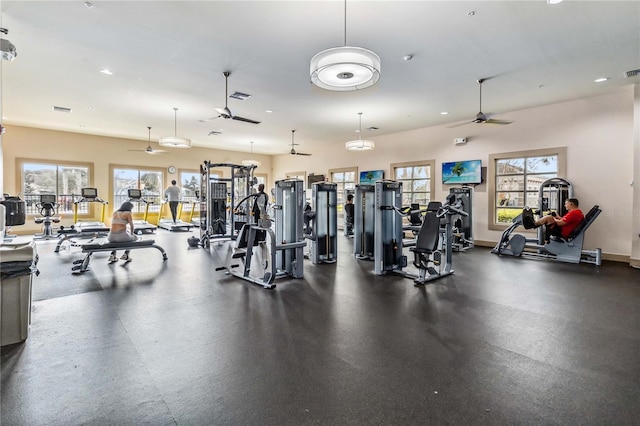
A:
(293, 150)
(481, 118)
(226, 112)
(149, 149)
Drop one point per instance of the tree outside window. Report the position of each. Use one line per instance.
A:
(64, 180)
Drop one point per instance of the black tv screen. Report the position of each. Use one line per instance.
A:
(89, 192)
(462, 172)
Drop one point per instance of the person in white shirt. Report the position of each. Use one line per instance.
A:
(173, 195)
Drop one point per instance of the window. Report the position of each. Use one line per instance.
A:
(64, 180)
(516, 178)
(190, 183)
(417, 181)
(344, 179)
(148, 180)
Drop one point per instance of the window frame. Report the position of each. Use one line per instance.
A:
(153, 208)
(21, 161)
(421, 163)
(195, 205)
(560, 152)
(340, 194)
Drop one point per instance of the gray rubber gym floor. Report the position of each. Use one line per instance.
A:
(503, 341)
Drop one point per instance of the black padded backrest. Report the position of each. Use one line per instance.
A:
(434, 206)
(429, 233)
(589, 218)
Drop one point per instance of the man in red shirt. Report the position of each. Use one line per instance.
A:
(560, 227)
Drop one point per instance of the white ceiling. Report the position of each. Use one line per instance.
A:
(167, 54)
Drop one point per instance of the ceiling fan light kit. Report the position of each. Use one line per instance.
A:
(360, 144)
(345, 68)
(293, 144)
(149, 149)
(175, 141)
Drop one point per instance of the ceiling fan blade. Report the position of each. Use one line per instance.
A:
(460, 124)
(493, 121)
(301, 153)
(246, 120)
(209, 119)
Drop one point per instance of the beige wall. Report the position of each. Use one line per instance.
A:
(635, 230)
(598, 133)
(25, 142)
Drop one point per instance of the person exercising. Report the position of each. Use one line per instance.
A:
(259, 209)
(173, 194)
(349, 210)
(118, 233)
(558, 227)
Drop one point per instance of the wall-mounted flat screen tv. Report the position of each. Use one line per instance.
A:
(462, 172)
(371, 176)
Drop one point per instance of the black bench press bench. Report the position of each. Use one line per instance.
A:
(82, 265)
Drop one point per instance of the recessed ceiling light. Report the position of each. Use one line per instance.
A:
(554, 1)
(444, 113)
(106, 71)
(407, 57)
(269, 111)
(471, 13)
(601, 79)
(88, 5)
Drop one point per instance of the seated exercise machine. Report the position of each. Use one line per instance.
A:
(169, 224)
(281, 253)
(48, 207)
(364, 221)
(82, 265)
(321, 224)
(552, 195)
(463, 225)
(432, 240)
(141, 226)
(84, 229)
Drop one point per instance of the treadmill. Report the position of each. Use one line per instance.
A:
(141, 226)
(168, 223)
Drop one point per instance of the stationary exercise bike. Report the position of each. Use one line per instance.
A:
(48, 210)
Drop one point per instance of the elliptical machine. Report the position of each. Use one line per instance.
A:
(48, 210)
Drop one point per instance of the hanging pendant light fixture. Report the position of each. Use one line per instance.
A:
(345, 68)
(251, 161)
(360, 144)
(175, 141)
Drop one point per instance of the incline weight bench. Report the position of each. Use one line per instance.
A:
(82, 265)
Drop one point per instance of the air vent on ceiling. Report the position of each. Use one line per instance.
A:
(61, 109)
(633, 73)
(373, 128)
(214, 133)
(239, 95)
